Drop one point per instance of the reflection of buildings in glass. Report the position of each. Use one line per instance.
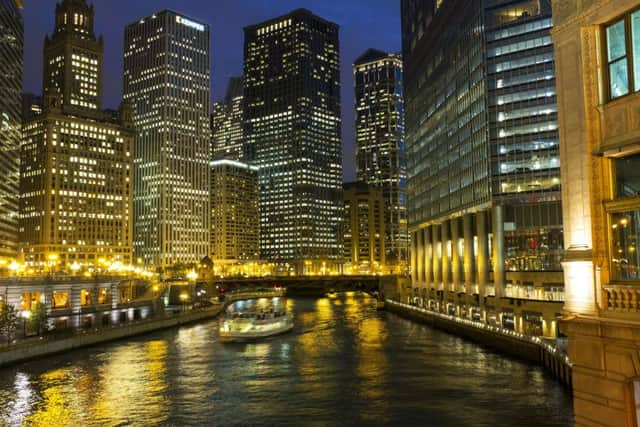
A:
(482, 145)
(380, 157)
(364, 227)
(292, 133)
(598, 63)
(76, 161)
(11, 63)
(167, 81)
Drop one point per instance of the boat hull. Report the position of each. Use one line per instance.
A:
(254, 336)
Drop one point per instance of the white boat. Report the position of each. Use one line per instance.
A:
(240, 327)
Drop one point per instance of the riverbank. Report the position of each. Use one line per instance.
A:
(22, 352)
(530, 349)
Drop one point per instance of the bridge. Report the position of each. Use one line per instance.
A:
(305, 285)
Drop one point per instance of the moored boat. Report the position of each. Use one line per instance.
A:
(254, 325)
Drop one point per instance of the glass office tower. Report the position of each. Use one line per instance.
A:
(167, 82)
(226, 123)
(11, 46)
(482, 149)
(292, 132)
(380, 151)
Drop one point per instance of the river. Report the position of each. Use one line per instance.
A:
(344, 364)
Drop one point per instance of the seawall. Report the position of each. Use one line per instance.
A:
(22, 352)
(530, 349)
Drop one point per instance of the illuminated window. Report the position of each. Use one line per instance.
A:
(86, 297)
(622, 50)
(59, 300)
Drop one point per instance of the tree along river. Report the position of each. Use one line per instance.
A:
(343, 364)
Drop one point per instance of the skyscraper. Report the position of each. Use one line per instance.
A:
(167, 81)
(380, 156)
(235, 218)
(292, 132)
(11, 46)
(482, 149)
(226, 123)
(364, 228)
(76, 160)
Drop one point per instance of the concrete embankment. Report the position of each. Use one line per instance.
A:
(22, 352)
(525, 348)
(27, 351)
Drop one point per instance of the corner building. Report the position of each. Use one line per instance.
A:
(380, 149)
(483, 161)
(292, 134)
(76, 161)
(598, 70)
(11, 64)
(167, 81)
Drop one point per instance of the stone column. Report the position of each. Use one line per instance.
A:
(437, 254)
(428, 258)
(414, 257)
(456, 263)
(446, 267)
(483, 253)
(469, 267)
(497, 216)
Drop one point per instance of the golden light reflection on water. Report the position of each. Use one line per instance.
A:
(132, 379)
(54, 409)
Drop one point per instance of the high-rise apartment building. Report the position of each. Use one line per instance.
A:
(11, 46)
(364, 228)
(380, 151)
(167, 82)
(226, 123)
(76, 160)
(483, 155)
(292, 133)
(235, 218)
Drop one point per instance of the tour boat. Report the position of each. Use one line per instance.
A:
(240, 327)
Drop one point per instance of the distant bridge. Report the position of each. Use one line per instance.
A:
(304, 285)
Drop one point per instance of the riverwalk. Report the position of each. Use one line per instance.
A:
(45, 346)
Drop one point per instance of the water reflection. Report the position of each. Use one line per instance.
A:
(343, 364)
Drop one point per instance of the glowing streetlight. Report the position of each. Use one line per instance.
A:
(75, 267)
(192, 275)
(14, 266)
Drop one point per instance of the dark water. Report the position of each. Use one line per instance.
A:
(344, 364)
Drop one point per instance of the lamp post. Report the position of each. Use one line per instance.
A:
(183, 298)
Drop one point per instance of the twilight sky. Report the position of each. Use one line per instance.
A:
(364, 24)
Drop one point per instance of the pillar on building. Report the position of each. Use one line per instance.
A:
(497, 216)
(428, 258)
(420, 258)
(414, 257)
(446, 266)
(456, 264)
(483, 253)
(468, 263)
(437, 254)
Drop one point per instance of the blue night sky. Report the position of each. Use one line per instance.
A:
(364, 24)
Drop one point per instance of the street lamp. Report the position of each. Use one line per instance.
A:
(75, 267)
(184, 297)
(192, 275)
(26, 315)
